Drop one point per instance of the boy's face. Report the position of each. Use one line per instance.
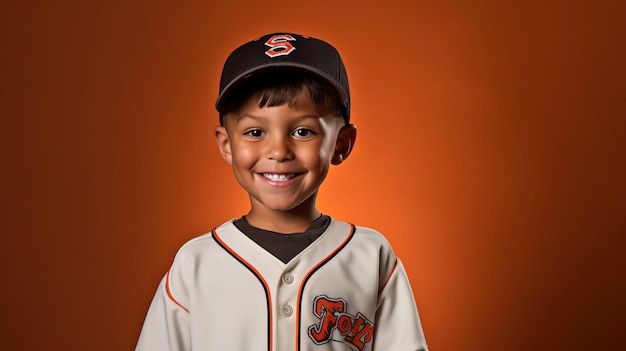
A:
(280, 155)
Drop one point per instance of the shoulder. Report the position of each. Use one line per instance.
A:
(370, 246)
(371, 234)
(200, 245)
(367, 238)
(362, 233)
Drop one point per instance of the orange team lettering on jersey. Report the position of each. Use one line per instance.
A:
(357, 330)
(280, 45)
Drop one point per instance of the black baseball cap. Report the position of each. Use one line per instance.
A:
(285, 51)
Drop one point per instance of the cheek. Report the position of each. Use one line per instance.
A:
(243, 162)
(318, 155)
(243, 156)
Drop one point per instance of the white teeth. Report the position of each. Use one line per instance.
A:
(278, 177)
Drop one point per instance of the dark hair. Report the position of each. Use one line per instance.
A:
(276, 88)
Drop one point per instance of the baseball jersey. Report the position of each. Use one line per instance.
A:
(345, 291)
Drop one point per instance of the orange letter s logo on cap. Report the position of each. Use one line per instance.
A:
(280, 45)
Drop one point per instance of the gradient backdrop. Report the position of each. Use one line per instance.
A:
(491, 153)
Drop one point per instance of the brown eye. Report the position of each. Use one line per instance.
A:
(303, 132)
(255, 133)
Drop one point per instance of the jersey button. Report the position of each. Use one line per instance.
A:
(286, 310)
(287, 278)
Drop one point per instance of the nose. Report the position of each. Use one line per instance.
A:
(279, 149)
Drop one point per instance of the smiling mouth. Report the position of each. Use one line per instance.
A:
(282, 177)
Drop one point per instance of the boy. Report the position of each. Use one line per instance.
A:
(284, 276)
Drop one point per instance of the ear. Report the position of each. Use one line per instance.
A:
(345, 143)
(223, 144)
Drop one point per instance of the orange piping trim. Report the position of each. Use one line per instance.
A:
(169, 292)
(306, 277)
(395, 264)
(258, 274)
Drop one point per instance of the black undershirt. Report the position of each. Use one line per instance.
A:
(283, 246)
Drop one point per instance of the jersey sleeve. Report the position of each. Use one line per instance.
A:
(166, 327)
(398, 325)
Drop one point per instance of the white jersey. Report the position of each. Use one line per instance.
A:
(345, 291)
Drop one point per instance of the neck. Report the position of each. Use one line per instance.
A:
(283, 222)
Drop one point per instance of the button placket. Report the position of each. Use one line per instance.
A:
(287, 294)
(287, 278)
(286, 310)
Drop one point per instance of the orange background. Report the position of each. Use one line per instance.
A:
(491, 153)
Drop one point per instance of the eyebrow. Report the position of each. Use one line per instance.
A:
(299, 118)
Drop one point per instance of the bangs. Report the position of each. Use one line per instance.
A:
(285, 87)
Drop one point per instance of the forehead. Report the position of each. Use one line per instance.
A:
(302, 105)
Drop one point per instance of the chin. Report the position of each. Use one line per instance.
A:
(285, 205)
(281, 207)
